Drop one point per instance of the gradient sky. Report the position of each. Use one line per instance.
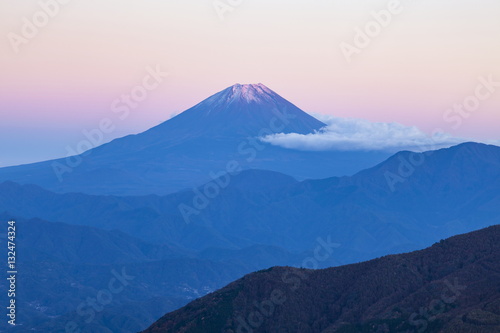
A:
(65, 78)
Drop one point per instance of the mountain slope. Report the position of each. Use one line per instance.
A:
(59, 242)
(63, 265)
(190, 148)
(257, 220)
(453, 286)
(249, 107)
(361, 212)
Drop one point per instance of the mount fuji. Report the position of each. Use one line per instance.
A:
(196, 146)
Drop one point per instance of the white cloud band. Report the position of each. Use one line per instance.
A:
(360, 134)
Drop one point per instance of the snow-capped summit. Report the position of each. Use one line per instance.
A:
(188, 149)
(242, 93)
(241, 110)
(252, 92)
(247, 109)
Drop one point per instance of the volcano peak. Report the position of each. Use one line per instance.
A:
(254, 92)
(245, 109)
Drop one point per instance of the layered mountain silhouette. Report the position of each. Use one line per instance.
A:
(198, 201)
(256, 220)
(393, 207)
(451, 287)
(194, 147)
(63, 265)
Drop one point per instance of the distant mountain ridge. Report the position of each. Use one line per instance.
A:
(451, 287)
(260, 219)
(454, 190)
(63, 265)
(183, 151)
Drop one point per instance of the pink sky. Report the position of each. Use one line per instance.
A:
(64, 79)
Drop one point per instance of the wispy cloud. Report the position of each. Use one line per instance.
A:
(360, 134)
